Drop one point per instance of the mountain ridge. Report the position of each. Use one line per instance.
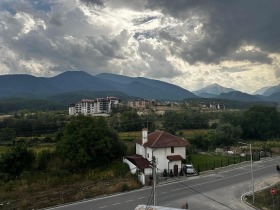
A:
(212, 90)
(39, 87)
(71, 82)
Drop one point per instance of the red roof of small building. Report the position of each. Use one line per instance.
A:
(174, 157)
(162, 139)
(139, 161)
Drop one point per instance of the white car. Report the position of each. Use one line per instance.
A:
(188, 169)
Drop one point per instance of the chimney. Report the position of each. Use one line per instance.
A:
(144, 135)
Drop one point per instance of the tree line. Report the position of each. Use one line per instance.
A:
(88, 142)
(85, 143)
(258, 122)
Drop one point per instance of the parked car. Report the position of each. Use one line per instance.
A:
(188, 169)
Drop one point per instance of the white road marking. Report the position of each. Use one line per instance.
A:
(102, 207)
(141, 198)
(129, 201)
(116, 204)
(177, 189)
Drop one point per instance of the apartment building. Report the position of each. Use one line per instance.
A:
(93, 107)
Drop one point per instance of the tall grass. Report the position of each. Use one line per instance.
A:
(38, 190)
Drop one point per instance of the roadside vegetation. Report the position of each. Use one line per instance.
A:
(50, 158)
(265, 199)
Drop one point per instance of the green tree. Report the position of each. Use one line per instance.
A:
(202, 141)
(194, 119)
(43, 158)
(261, 122)
(227, 135)
(17, 160)
(89, 141)
(235, 118)
(130, 121)
(173, 121)
(7, 134)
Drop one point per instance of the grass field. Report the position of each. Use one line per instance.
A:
(38, 148)
(189, 133)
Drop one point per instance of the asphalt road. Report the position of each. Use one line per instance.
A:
(221, 190)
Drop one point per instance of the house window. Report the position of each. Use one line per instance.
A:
(148, 155)
(172, 149)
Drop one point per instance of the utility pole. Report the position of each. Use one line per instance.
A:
(154, 179)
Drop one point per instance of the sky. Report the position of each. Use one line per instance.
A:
(189, 43)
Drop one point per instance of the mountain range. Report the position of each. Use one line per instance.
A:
(75, 85)
(78, 82)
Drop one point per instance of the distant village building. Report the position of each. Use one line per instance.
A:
(93, 107)
(139, 103)
(217, 105)
(206, 105)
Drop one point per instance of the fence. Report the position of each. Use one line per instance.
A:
(228, 160)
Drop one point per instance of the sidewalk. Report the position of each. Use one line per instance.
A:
(268, 182)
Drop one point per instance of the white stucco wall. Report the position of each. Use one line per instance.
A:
(71, 110)
(148, 171)
(161, 156)
(139, 150)
(131, 166)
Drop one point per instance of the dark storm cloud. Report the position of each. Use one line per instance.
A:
(252, 56)
(145, 35)
(93, 2)
(164, 35)
(229, 25)
(143, 20)
(56, 19)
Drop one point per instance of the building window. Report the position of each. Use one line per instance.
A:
(172, 149)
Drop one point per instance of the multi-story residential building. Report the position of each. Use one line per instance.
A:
(92, 107)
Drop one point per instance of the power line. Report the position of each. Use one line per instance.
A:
(212, 199)
(188, 187)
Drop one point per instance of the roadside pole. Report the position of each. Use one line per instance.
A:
(154, 180)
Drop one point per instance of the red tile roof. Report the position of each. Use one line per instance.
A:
(139, 161)
(174, 157)
(162, 139)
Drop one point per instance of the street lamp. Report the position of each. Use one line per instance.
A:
(251, 169)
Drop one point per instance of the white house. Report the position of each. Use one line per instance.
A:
(169, 150)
